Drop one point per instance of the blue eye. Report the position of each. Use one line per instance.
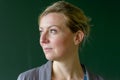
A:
(53, 31)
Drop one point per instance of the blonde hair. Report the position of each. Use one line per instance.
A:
(76, 19)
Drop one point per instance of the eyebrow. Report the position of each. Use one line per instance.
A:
(49, 26)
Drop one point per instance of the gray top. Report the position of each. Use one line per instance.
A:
(44, 73)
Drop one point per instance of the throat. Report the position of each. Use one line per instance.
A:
(63, 72)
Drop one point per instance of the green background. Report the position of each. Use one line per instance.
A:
(19, 37)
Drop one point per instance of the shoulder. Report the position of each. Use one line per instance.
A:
(34, 74)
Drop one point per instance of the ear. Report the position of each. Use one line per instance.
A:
(79, 35)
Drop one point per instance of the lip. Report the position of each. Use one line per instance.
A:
(47, 49)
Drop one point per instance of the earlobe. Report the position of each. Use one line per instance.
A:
(79, 35)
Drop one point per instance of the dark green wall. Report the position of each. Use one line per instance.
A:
(19, 37)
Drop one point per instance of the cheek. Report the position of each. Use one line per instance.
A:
(62, 44)
(58, 42)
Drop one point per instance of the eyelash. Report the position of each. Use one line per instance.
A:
(53, 31)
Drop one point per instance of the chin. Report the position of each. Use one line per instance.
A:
(50, 58)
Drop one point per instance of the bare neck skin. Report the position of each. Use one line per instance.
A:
(70, 69)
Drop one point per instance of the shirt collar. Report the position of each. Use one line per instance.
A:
(86, 75)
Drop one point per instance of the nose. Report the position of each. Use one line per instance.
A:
(44, 38)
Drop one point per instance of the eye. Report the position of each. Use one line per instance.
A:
(53, 31)
(40, 31)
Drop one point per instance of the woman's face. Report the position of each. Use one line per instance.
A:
(56, 38)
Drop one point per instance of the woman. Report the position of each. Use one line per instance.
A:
(63, 28)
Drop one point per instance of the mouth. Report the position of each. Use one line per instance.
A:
(47, 49)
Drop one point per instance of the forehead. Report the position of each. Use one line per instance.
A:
(52, 19)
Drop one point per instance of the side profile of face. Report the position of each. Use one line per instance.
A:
(56, 38)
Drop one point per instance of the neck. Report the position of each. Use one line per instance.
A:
(68, 70)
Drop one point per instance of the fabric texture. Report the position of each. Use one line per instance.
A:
(44, 73)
